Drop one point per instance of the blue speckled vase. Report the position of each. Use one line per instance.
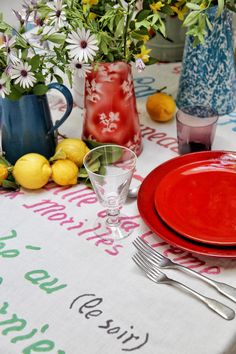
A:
(208, 71)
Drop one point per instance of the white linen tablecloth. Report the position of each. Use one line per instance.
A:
(65, 290)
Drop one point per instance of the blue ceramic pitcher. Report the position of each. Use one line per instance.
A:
(27, 124)
(208, 71)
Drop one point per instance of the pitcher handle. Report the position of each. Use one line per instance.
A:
(69, 101)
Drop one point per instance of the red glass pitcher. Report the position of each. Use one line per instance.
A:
(110, 111)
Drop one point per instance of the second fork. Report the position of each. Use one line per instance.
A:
(157, 276)
(163, 262)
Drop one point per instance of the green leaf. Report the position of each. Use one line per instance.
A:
(103, 47)
(209, 24)
(34, 62)
(142, 15)
(24, 54)
(69, 76)
(20, 89)
(91, 144)
(83, 173)
(87, 182)
(3, 161)
(102, 170)
(14, 94)
(3, 27)
(152, 61)
(113, 154)
(162, 28)
(221, 4)
(10, 184)
(120, 28)
(110, 57)
(191, 19)
(94, 166)
(40, 89)
(145, 23)
(58, 78)
(193, 6)
(40, 77)
(58, 38)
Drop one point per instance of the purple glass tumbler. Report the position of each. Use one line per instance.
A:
(196, 127)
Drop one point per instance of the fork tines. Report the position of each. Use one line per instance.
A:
(147, 267)
(146, 249)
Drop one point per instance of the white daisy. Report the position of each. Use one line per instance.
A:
(3, 89)
(82, 45)
(80, 68)
(57, 15)
(8, 46)
(24, 77)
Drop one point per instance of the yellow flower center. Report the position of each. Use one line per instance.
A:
(90, 2)
(156, 6)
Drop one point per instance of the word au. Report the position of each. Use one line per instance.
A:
(88, 307)
(15, 326)
(38, 277)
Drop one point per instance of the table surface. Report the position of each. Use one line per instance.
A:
(65, 290)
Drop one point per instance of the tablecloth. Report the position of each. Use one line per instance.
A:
(66, 290)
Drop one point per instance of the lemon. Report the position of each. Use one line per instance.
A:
(3, 172)
(65, 172)
(74, 149)
(160, 107)
(32, 171)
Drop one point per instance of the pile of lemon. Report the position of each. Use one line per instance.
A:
(33, 171)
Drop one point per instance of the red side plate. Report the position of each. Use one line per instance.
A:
(198, 200)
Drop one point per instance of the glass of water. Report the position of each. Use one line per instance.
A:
(110, 169)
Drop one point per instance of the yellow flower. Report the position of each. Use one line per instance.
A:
(180, 12)
(203, 6)
(90, 2)
(143, 54)
(92, 16)
(156, 6)
(145, 38)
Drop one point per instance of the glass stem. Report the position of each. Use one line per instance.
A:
(113, 218)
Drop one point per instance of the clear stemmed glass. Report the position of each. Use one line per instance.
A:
(110, 169)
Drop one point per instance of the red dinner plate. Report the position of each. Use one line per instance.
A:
(198, 199)
(150, 216)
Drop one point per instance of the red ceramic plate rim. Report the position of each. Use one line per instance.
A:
(162, 199)
(149, 215)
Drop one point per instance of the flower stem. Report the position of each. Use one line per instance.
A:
(126, 30)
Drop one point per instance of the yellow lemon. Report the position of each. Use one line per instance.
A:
(74, 149)
(32, 171)
(160, 107)
(3, 172)
(65, 172)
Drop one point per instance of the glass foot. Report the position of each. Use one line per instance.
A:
(105, 229)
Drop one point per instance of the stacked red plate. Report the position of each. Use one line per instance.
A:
(190, 202)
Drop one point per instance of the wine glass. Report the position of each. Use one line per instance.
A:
(110, 169)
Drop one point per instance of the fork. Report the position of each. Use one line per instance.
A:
(163, 262)
(157, 276)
